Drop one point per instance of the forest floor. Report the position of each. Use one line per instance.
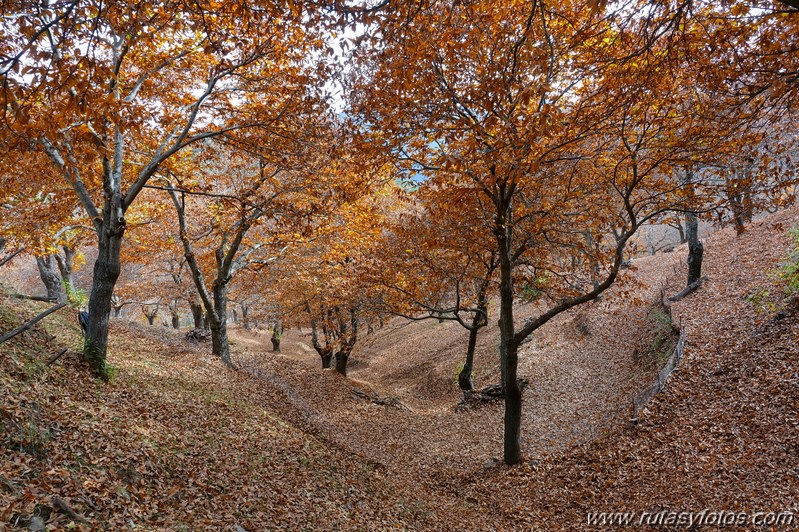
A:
(178, 442)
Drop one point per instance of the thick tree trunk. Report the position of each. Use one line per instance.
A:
(106, 272)
(695, 248)
(219, 339)
(341, 362)
(50, 279)
(275, 344)
(512, 443)
(512, 440)
(327, 358)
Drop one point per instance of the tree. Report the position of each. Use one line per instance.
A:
(568, 126)
(325, 280)
(433, 263)
(111, 92)
(277, 194)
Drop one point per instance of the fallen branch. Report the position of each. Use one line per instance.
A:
(688, 289)
(24, 327)
(9, 257)
(34, 298)
(57, 356)
(198, 335)
(388, 401)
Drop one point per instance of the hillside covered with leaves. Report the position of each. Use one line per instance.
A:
(175, 441)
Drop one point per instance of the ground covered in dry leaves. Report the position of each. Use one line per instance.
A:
(177, 442)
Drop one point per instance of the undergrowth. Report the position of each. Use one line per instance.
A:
(785, 281)
(659, 340)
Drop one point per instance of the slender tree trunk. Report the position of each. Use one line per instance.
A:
(245, 316)
(479, 321)
(735, 192)
(277, 334)
(175, 321)
(50, 279)
(465, 376)
(196, 314)
(65, 266)
(507, 347)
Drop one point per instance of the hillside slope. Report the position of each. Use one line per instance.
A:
(722, 436)
(174, 442)
(177, 442)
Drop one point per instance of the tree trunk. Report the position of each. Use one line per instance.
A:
(106, 272)
(196, 314)
(327, 358)
(277, 334)
(735, 192)
(219, 339)
(695, 248)
(150, 313)
(245, 316)
(48, 275)
(507, 346)
(65, 266)
(174, 314)
(465, 376)
(512, 440)
(341, 362)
